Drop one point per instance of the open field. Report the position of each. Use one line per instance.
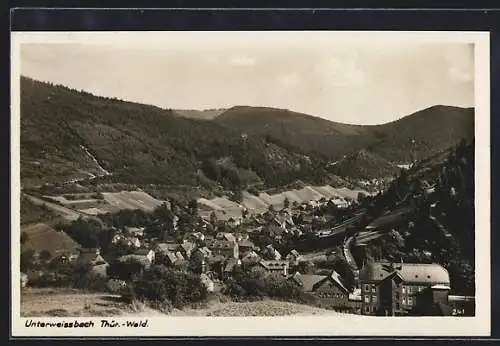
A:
(74, 303)
(258, 308)
(110, 202)
(38, 302)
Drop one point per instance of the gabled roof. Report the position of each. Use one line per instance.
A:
(142, 252)
(171, 256)
(216, 259)
(231, 263)
(274, 265)
(134, 257)
(337, 279)
(307, 281)
(409, 272)
(187, 246)
(90, 258)
(205, 251)
(220, 244)
(163, 247)
(245, 243)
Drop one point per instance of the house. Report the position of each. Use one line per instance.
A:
(186, 249)
(223, 247)
(293, 258)
(270, 253)
(245, 246)
(226, 236)
(136, 259)
(275, 267)
(207, 282)
(233, 222)
(90, 257)
(328, 289)
(197, 236)
(250, 258)
(147, 253)
(200, 258)
(229, 267)
(135, 231)
(392, 288)
(339, 203)
(24, 279)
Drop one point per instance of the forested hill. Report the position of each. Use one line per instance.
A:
(68, 134)
(441, 224)
(415, 136)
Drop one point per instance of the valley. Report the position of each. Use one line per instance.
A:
(246, 202)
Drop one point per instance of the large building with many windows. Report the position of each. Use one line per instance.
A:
(394, 289)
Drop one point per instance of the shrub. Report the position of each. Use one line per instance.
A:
(160, 283)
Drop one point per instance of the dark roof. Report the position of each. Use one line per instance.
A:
(307, 281)
(163, 247)
(187, 245)
(409, 272)
(245, 243)
(89, 257)
(231, 263)
(270, 265)
(220, 244)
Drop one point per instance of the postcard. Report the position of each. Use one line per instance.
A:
(250, 183)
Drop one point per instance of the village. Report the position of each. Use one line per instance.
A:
(306, 247)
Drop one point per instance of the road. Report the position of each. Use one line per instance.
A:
(340, 228)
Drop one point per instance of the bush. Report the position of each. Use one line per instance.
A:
(162, 284)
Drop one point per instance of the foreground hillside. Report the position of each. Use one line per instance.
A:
(74, 303)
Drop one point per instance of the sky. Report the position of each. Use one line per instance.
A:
(349, 82)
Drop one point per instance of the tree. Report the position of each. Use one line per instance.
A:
(24, 237)
(45, 255)
(286, 203)
(193, 207)
(305, 267)
(160, 283)
(27, 259)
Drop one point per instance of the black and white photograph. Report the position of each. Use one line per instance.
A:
(187, 176)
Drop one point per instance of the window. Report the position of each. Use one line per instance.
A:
(374, 288)
(367, 288)
(374, 298)
(403, 289)
(367, 308)
(404, 300)
(397, 306)
(367, 298)
(397, 295)
(410, 301)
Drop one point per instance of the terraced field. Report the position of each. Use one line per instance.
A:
(109, 202)
(224, 208)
